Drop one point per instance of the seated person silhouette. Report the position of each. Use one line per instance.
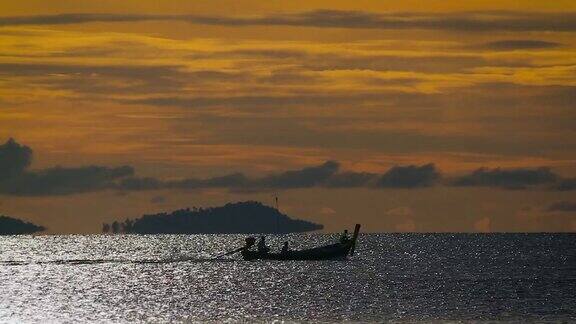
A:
(284, 248)
(262, 248)
(250, 241)
(344, 238)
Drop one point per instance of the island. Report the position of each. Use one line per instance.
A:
(234, 218)
(14, 226)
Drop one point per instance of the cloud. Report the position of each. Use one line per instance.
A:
(432, 63)
(138, 184)
(319, 61)
(508, 178)
(109, 79)
(410, 176)
(566, 185)
(516, 44)
(407, 122)
(126, 71)
(462, 21)
(350, 179)
(14, 158)
(562, 206)
(16, 180)
(63, 181)
(303, 178)
(67, 180)
(495, 95)
(324, 175)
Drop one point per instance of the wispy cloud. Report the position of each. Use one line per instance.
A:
(520, 44)
(466, 21)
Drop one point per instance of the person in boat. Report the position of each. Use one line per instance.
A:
(344, 238)
(250, 241)
(284, 248)
(262, 248)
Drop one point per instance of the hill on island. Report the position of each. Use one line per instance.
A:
(13, 226)
(233, 218)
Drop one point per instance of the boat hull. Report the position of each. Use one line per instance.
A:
(328, 252)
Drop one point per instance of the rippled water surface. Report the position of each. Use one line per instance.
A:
(411, 277)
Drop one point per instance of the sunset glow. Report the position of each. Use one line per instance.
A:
(365, 94)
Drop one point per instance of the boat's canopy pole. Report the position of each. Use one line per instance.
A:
(354, 238)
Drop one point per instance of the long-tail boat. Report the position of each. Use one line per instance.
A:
(338, 250)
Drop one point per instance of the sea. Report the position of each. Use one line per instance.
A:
(391, 278)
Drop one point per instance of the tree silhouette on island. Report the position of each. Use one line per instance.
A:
(233, 218)
(13, 226)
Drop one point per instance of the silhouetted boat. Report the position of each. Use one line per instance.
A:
(327, 252)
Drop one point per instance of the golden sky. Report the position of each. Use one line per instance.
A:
(436, 115)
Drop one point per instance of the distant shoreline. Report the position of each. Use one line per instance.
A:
(248, 217)
(14, 226)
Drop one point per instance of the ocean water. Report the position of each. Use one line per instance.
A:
(393, 277)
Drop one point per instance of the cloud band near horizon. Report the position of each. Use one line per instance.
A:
(17, 180)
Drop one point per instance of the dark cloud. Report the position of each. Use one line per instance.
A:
(63, 181)
(425, 63)
(323, 175)
(137, 184)
(289, 77)
(16, 180)
(337, 61)
(263, 53)
(19, 181)
(496, 95)
(563, 206)
(100, 79)
(508, 178)
(14, 158)
(410, 176)
(350, 179)
(566, 185)
(79, 18)
(112, 79)
(463, 21)
(515, 44)
(127, 71)
(303, 178)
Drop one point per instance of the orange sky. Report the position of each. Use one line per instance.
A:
(200, 89)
